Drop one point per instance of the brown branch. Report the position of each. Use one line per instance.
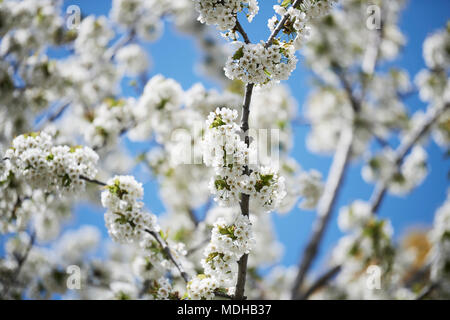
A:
(155, 235)
(238, 27)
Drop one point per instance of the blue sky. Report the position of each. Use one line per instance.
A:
(175, 55)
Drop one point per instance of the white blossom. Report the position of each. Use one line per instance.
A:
(253, 63)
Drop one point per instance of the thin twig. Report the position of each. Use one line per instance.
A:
(20, 263)
(168, 253)
(431, 117)
(192, 216)
(427, 291)
(52, 117)
(198, 247)
(222, 295)
(95, 181)
(124, 40)
(321, 281)
(238, 27)
(280, 25)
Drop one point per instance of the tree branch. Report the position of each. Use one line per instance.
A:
(325, 206)
(245, 198)
(20, 263)
(280, 25)
(192, 216)
(381, 189)
(321, 281)
(432, 116)
(331, 191)
(95, 181)
(168, 253)
(238, 27)
(427, 291)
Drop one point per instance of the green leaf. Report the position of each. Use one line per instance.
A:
(111, 102)
(264, 181)
(217, 122)
(286, 3)
(238, 54)
(201, 276)
(221, 184)
(32, 134)
(74, 148)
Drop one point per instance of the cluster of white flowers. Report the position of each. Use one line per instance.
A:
(310, 188)
(435, 49)
(206, 101)
(227, 153)
(154, 109)
(254, 63)
(402, 179)
(369, 240)
(94, 35)
(132, 59)
(354, 216)
(234, 239)
(413, 171)
(265, 250)
(109, 120)
(344, 30)
(223, 12)
(299, 17)
(74, 244)
(160, 289)
(125, 220)
(266, 188)
(202, 287)
(51, 168)
(329, 111)
(380, 167)
(433, 83)
(368, 243)
(229, 241)
(122, 290)
(224, 150)
(143, 16)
